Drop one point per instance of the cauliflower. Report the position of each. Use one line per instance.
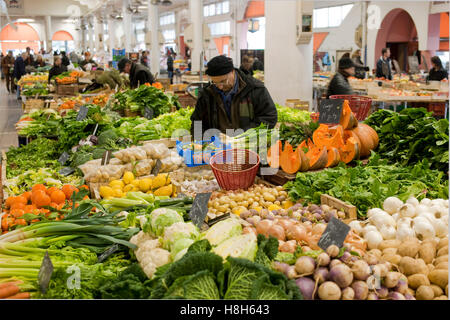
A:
(150, 245)
(159, 256)
(149, 270)
(177, 231)
(162, 218)
(140, 238)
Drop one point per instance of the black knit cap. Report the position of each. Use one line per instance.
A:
(219, 66)
(346, 63)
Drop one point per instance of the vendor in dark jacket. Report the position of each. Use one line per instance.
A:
(139, 74)
(57, 68)
(339, 84)
(232, 100)
(384, 65)
(437, 73)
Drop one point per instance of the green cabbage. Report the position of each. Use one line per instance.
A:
(177, 231)
(222, 231)
(162, 218)
(243, 246)
(180, 245)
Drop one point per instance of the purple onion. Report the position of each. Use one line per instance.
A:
(306, 286)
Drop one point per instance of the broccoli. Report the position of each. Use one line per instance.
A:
(107, 136)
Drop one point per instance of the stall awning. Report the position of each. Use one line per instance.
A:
(255, 9)
(318, 38)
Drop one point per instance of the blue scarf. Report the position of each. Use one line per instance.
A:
(228, 97)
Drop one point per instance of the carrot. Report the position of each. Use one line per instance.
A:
(21, 295)
(9, 291)
(6, 284)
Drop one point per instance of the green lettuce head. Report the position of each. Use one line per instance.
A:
(162, 218)
(222, 231)
(177, 231)
(179, 246)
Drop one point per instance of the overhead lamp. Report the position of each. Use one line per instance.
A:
(166, 3)
(25, 20)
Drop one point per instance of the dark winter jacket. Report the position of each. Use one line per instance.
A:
(437, 75)
(169, 63)
(139, 75)
(245, 71)
(56, 71)
(19, 68)
(65, 61)
(384, 69)
(6, 61)
(339, 85)
(251, 106)
(360, 69)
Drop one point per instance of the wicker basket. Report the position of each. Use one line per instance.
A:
(129, 113)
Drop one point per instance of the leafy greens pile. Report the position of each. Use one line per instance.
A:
(410, 136)
(286, 114)
(368, 186)
(298, 132)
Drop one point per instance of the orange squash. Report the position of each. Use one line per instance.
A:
(324, 136)
(306, 144)
(273, 155)
(333, 157)
(304, 160)
(366, 138)
(318, 158)
(349, 151)
(290, 161)
(348, 120)
(372, 133)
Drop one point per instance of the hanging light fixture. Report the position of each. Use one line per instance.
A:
(166, 3)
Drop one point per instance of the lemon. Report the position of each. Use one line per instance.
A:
(135, 189)
(117, 183)
(164, 191)
(128, 187)
(118, 193)
(106, 192)
(128, 177)
(135, 183)
(145, 184)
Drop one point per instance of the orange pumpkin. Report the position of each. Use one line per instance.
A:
(349, 151)
(318, 157)
(367, 137)
(333, 157)
(348, 120)
(290, 160)
(273, 155)
(324, 136)
(304, 160)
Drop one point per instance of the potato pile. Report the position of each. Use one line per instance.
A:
(425, 264)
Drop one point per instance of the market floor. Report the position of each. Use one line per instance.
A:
(10, 113)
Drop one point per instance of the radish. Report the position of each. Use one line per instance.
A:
(305, 265)
(329, 291)
(341, 275)
(361, 290)
(306, 287)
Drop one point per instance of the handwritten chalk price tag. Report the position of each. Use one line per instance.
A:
(330, 110)
(148, 113)
(82, 114)
(157, 167)
(66, 171)
(107, 253)
(335, 233)
(199, 208)
(45, 273)
(63, 158)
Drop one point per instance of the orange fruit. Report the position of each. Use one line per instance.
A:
(21, 222)
(68, 190)
(84, 187)
(42, 199)
(39, 187)
(29, 208)
(58, 196)
(9, 202)
(17, 213)
(27, 195)
(18, 205)
(51, 190)
(35, 194)
(21, 199)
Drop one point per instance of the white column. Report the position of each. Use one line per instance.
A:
(48, 32)
(126, 26)
(90, 31)
(234, 44)
(285, 61)
(196, 13)
(97, 32)
(112, 34)
(153, 26)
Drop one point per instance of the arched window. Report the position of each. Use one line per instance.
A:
(17, 39)
(63, 41)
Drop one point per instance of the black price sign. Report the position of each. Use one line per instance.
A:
(106, 157)
(148, 113)
(157, 167)
(335, 233)
(212, 222)
(107, 253)
(45, 273)
(330, 110)
(199, 208)
(63, 158)
(66, 171)
(82, 113)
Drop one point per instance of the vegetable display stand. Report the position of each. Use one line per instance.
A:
(360, 105)
(67, 89)
(235, 168)
(350, 210)
(438, 109)
(278, 179)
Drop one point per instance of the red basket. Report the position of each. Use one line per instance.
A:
(360, 105)
(235, 168)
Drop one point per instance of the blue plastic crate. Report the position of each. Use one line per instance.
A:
(200, 158)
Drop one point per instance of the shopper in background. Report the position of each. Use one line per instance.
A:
(339, 84)
(57, 69)
(170, 58)
(139, 74)
(74, 57)
(360, 69)
(39, 62)
(19, 70)
(1, 59)
(64, 59)
(233, 100)
(144, 59)
(29, 61)
(258, 65)
(437, 72)
(88, 62)
(384, 65)
(247, 65)
(7, 64)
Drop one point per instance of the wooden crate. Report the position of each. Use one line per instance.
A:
(438, 109)
(165, 83)
(350, 210)
(297, 104)
(187, 100)
(33, 104)
(67, 89)
(168, 142)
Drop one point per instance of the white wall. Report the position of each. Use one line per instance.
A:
(288, 66)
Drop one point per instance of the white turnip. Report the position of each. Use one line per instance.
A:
(392, 204)
(342, 275)
(348, 294)
(409, 296)
(382, 292)
(372, 296)
(305, 265)
(334, 263)
(361, 290)
(321, 275)
(329, 291)
(323, 259)
(396, 296)
(333, 251)
(392, 278)
(361, 270)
